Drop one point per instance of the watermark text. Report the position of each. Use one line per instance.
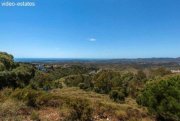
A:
(17, 4)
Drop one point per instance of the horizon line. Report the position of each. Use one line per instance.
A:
(94, 58)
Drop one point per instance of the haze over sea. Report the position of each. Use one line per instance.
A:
(54, 60)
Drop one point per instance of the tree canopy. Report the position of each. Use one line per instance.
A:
(162, 97)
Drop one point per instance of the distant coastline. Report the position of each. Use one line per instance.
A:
(51, 60)
(63, 60)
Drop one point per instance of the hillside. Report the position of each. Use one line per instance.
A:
(73, 92)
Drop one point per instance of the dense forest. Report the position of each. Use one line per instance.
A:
(88, 92)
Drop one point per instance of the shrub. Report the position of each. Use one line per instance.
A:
(27, 95)
(80, 111)
(82, 86)
(18, 77)
(2, 67)
(75, 80)
(11, 108)
(48, 100)
(7, 60)
(31, 99)
(36, 98)
(33, 86)
(35, 116)
(160, 72)
(6, 92)
(162, 98)
(57, 84)
(96, 89)
(117, 96)
(141, 76)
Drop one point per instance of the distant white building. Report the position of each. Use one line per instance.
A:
(175, 71)
(92, 72)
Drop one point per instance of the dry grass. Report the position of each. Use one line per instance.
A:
(56, 106)
(11, 110)
(104, 107)
(49, 114)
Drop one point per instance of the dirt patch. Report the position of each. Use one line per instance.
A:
(49, 114)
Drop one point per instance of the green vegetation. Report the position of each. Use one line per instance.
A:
(6, 61)
(117, 96)
(87, 92)
(162, 98)
(14, 74)
(80, 111)
(35, 116)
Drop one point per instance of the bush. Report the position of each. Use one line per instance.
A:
(80, 111)
(75, 80)
(18, 77)
(48, 100)
(2, 67)
(29, 96)
(35, 116)
(162, 98)
(117, 96)
(7, 60)
(96, 89)
(160, 72)
(83, 86)
(108, 80)
(33, 86)
(11, 108)
(36, 98)
(57, 84)
(24, 73)
(141, 76)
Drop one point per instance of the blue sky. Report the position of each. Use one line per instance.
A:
(92, 29)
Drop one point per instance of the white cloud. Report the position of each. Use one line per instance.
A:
(92, 39)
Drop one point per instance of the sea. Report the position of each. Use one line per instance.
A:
(55, 60)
